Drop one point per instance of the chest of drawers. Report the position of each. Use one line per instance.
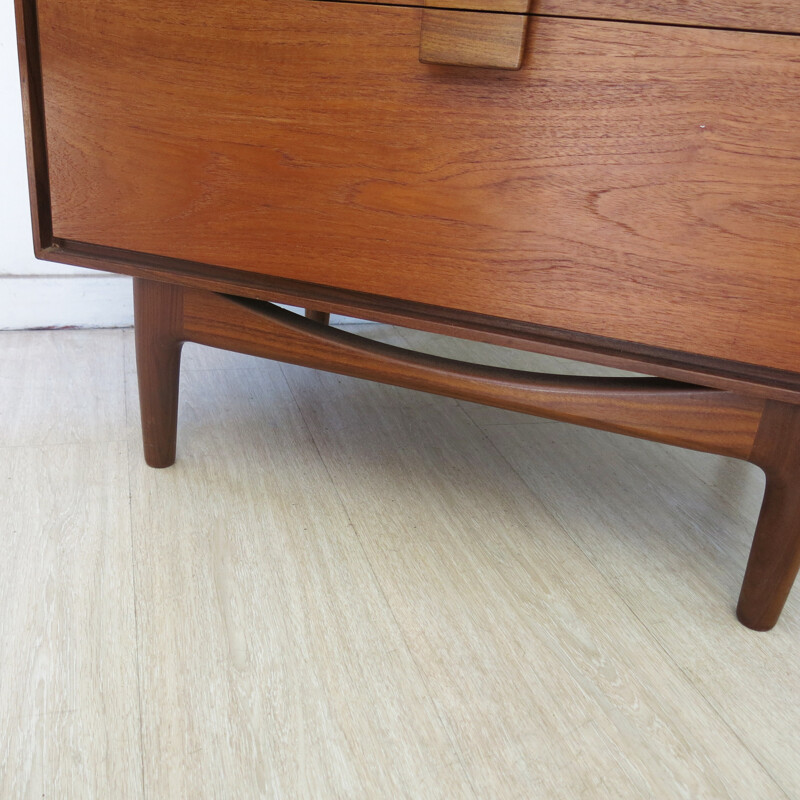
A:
(616, 181)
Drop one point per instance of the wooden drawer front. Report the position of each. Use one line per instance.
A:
(635, 182)
(749, 15)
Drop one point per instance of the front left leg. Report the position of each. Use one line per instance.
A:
(158, 329)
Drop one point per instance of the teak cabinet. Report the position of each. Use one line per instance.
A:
(615, 181)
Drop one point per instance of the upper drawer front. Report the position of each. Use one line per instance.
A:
(631, 181)
(756, 15)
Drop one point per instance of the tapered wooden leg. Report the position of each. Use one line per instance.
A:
(322, 317)
(158, 326)
(775, 555)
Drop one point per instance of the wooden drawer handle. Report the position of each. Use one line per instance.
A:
(473, 38)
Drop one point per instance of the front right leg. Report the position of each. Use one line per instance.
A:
(775, 554)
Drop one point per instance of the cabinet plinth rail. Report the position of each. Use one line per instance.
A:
(650, 408)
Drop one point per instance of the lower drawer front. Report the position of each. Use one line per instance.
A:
(633, 181)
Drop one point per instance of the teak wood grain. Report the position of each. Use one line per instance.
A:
(473, 39)
(633, 182)
(686, 367)
(666, 411)
(158, 309)
(757, 15)
(506, 6)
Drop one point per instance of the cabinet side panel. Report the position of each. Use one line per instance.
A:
(33, 120)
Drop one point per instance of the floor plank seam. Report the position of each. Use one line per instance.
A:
(47, 445)
(128, 425)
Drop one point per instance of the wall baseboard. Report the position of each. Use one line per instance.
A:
(31, 302)
(65, 301)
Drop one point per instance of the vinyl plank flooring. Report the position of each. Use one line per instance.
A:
(734, 486)
(69, 721)
(60, 387)
(708, 504)
(546, 678)
(344, 590)
(270, 660)
(676, 550)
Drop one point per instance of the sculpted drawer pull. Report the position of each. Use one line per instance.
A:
(473, 38)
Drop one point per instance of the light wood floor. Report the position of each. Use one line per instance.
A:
(345, 590)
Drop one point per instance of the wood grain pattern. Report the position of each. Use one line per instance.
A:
(69, 701)
(514, 6)
(473, 39)
(158, 311)
(79, 403)
(688, 416)
(766, 15)
(736, 376)
(602, 189)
